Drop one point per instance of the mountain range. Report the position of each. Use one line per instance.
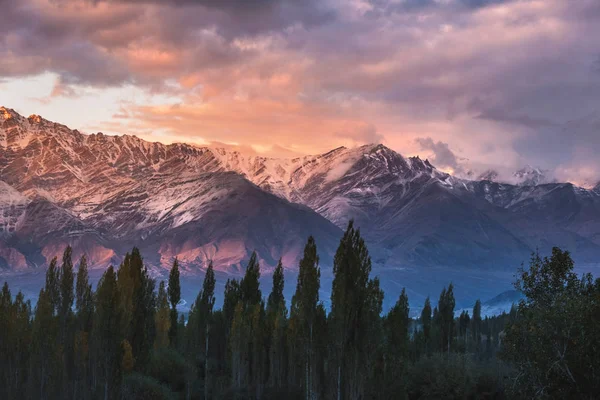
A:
(104, 194)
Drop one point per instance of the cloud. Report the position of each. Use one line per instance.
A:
(360, 133)
(496, 80)
(443, 157)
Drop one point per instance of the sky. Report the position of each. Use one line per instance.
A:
(469, 84)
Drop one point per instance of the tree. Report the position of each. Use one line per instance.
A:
(66, 289)
(138, 305)
(250, 286)
(65, 315)
(204, 309)
(304, 310)
(445, 317)
(277, 321)
(476, 326)
(108, 340)
(174, 299)
(554, 341)
(276, 301)
(163, 319)
(84, 297)
(46, 360)
(52, 287)
(355, 307)
(396, 336)
(426, 322)
(84, 308)
(248, 338)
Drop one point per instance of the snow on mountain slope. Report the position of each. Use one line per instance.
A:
(123, 191)
(109, 193)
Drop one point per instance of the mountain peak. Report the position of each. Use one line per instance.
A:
(489, 175)
(35, 119)
(531, 176)
(7, 113)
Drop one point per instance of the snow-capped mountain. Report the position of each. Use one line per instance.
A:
(530, 176)
(104, 194)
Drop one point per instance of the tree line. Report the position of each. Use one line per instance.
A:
(127, 340)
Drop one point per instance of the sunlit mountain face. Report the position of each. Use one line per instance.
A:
(459, 135)
(105, 194)
(285, 199)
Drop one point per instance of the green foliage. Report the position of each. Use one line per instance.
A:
(553, 341)
(174, 298)
(356, 303)
(141, 387)
(169, 368)
(276, 301)
(249, 286)
(453, 377)
(445, 318)
(116, 345)
(304, 312)
(163, 319)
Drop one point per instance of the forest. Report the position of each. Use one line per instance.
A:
(127, 340)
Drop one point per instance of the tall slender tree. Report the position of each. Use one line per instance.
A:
(476, 326)
(355, 305)
(174, 299)
(304, 310)
(163, 318)
(426, 323)
(277, 321)
(108, 350)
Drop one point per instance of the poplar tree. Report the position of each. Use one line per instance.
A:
(304, 310)
(445, 318)
(138, 305)
(277, 321)
(396, 327)
(476, 326)
(84, 309)
(108, 350)
(65, 315)
(204, 309)
(356, 304)
(163, 319)
(426, 323)
(174, 299)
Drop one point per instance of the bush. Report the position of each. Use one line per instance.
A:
(141, 387)
(453, 377)
(169, 367)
